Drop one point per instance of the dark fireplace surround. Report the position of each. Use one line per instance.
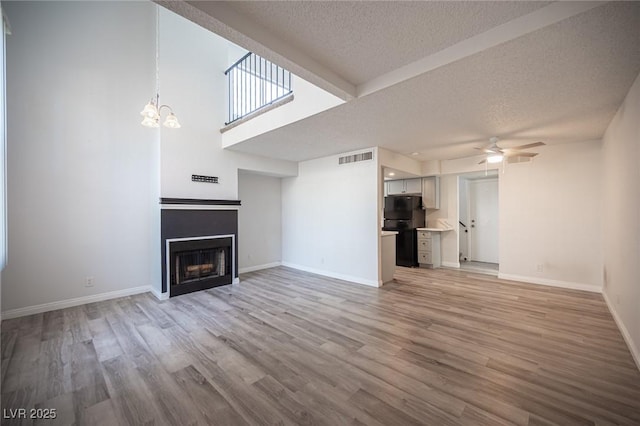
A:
(199, 247)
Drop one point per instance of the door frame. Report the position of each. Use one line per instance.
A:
(470, 252)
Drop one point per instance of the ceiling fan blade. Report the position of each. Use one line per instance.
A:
(529, 145)
(520, 154)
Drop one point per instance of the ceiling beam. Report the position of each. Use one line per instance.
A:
(548, 15)
(222, 20)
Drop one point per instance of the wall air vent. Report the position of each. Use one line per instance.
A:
(363, 156)
(206, 179)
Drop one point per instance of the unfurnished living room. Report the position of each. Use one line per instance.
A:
(320, 212)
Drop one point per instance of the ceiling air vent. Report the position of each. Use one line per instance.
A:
(363, 156)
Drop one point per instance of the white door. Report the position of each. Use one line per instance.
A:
(483, 209)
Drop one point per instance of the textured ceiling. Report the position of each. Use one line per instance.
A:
(361, 40)
(558, 84)
(439, 78)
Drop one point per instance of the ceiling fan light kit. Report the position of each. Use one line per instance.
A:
(494, 158)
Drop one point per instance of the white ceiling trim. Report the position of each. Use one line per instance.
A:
(508, 31)
(227, 23)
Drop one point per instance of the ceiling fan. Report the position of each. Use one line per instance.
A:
(495, 154)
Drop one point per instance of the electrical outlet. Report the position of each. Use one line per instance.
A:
(540, 267)
(88, 282)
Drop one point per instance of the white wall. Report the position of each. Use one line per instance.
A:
(550, 215)
(431, 168)
(259, 221)
(192, 82)
(399, 162)
(330, 219)
(234, 53)
(308, 100)
(81, 169)
(449, 211)
(621, 214)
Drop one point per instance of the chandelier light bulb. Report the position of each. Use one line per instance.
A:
(172, 121)
(149, 110)
(150, 122)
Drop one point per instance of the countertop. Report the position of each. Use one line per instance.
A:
(435, 229)
(388, 233)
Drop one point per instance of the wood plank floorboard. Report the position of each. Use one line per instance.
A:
(285, 347)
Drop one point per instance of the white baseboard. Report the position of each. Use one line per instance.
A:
(450, 264)
(357, 280)
(159, 295)
(52, 306)
(236, 280)
(259, 267)
(551, 283)
(633, 348)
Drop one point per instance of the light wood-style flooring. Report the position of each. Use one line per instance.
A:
(480, 267)
(436, 347)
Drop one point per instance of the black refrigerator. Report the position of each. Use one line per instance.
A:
(404, 214)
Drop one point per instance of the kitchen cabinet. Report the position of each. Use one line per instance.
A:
(413, 186)
(396, 187)
(403, 186)
(431, 192)
(388, 255)
(429, 249)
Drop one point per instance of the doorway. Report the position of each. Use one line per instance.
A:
(479, 222)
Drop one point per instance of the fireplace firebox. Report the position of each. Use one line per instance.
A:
(199, 264)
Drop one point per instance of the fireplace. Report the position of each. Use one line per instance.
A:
(198, 264)
(199, 248)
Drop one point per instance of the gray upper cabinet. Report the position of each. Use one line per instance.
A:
(413, 186)
(404, 186)
(396, 187)
(431, 192)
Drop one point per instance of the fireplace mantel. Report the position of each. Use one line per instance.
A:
(199, 202)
